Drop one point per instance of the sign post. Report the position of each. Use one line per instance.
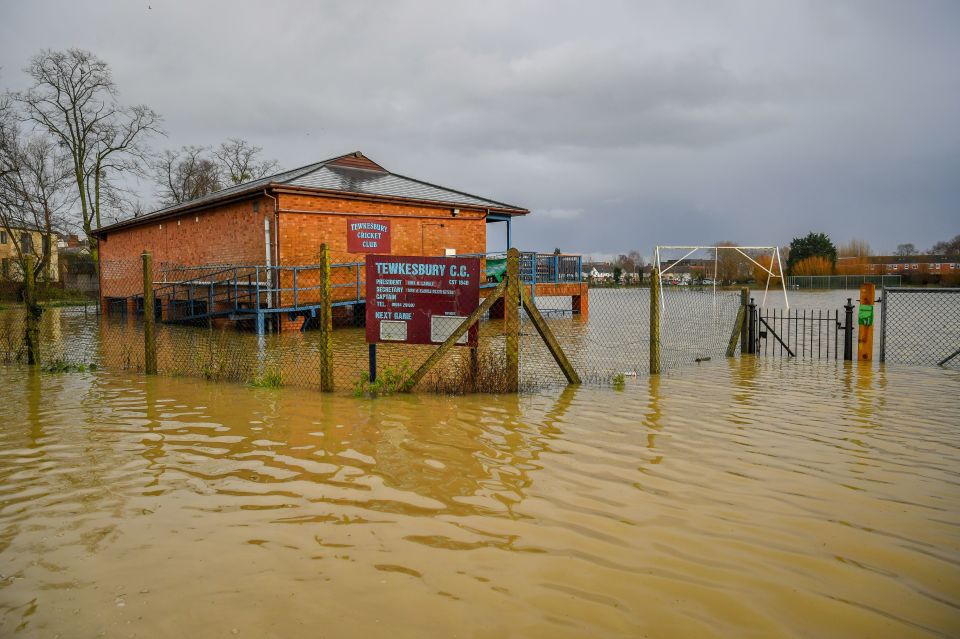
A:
(420, 300)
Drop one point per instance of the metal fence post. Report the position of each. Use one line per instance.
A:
(883, 323)
(511, 320)
(655, 309)
(149, 318)
(752, 328)
(848, 331)
(326, 322)
(745, 327)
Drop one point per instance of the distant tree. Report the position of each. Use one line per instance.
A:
(813, 245)
(731, 265)
(35, 178)
(617, 274)
(947, 247)
(905, 250)
(855, 248)
(185, 175)
(74, 99)
(761, 275)
(239, 162)
(813, 265)
(195, 171)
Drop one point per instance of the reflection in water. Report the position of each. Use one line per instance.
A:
(752, 498)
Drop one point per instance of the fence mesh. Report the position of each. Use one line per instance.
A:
(206, 329)
(921, 326)
(612, 341)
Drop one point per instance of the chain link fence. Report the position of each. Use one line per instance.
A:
(209, 330)
(611, 343)
(920, 326)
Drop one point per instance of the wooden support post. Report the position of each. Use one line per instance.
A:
(459, 332)
(149, 319)
(326, 322)
(32, 333)
(474, 365)
(865, 322)
(745, 327)
(655, 360)
(511, 319)
(737, 330)
(549, 339)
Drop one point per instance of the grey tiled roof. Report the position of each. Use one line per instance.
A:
(351, 180)
(328, 176)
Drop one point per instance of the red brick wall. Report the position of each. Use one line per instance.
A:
(233, 234)
(415, 230)
(229, 234)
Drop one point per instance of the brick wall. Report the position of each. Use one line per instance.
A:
(415, 230)
(229, 234)
(233, 234)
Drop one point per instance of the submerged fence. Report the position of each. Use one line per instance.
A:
(920, 326)
(606, 337)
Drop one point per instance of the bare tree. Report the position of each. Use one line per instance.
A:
(74, 98)
(905, 250)
(947, 247)
(855, 248)
(731, 265)
(185, 175)
(35, 194)
(239, 162)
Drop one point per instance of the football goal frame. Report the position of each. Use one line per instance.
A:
(773, 251)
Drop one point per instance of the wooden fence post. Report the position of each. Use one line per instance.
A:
(32, 334)
(326, 322)
(865, 323)
(511, 320)
(655, 355)
(149, 318)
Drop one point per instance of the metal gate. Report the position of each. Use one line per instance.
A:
(920, 326)
(802, 333)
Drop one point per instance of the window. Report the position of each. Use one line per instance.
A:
(5, 268)
(3, 237)
(26, 243)
(46, 245)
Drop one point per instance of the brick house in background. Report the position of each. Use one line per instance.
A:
(281, 220)
(914, 269)
(30, 240)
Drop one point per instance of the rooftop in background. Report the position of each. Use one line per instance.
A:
(353, 174)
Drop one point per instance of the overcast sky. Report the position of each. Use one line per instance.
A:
(620, 125)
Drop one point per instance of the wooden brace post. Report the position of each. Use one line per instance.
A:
(548, 338)
(459, 332)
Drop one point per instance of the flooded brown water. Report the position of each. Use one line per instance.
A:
(739, 499)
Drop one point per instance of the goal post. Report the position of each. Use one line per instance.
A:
(710, 256)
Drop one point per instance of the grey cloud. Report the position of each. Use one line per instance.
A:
(619, 124)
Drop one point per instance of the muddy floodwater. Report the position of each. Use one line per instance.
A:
(741, 498)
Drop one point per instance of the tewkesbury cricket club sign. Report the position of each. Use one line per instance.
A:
(368, 236)
(421, 300)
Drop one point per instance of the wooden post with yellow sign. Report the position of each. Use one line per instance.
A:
(865, 323)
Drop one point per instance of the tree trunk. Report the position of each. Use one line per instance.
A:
(34, 311)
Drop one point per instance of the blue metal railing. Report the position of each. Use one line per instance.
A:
(199, 292)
